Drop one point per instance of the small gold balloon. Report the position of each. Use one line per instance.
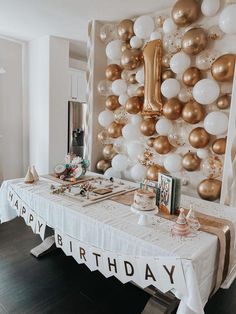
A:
(219, 146)
(167, 74)
(194, 41)
(191, 76)
(191, 162)
(223, 68)
(172, 109)
(160, 20)
(103, 136)
(153, 172)
(131, 58)
(162, 145)
(134, 105)
(126, 29)
(147, 126)
(132, 79)
(209, 189)
(199, 138)
(185, 12)
(125, 45)
(150, 141)
(114, 129)
(103, 165)
(140, 91)
(112, 102)
(193, 112)
(223, 102)
(113, 72)
(166, 61)
(108, 152)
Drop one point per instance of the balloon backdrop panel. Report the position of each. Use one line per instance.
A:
(166, 90)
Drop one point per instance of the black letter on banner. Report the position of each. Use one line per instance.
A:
(170, 273)
(39, 225)
(31, 218)
(10, 195)
(82, 253)
(96, 256)
(59, 240)
(148, 273)
(127, 270)
(71, 247)
(112, 264)
(23, 210)
(16, 204)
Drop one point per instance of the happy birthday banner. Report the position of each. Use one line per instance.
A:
(165, 273)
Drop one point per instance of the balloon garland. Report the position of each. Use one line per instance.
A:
(164, 106)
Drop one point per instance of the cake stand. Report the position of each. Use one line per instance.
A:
(144, 215)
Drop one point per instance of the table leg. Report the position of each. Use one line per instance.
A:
(47, 246)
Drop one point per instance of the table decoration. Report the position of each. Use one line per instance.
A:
(29, 178)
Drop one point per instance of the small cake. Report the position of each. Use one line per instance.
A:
(144, 200)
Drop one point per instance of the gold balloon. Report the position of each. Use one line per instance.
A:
(103, 165)
(132, 79)
(219, 146)
(150, 141)
(125, 45)
(148, 126)
(191, 76)
(193, 112)
(131, 58)
(114, 129)
(108, 152)
(103, 136)
(172, 109)
(223, 102)
(191, 162)
(113, 72)
(223, 68)
(167, 74)
(185, 12)
(194, 41)
(165, 61)
(134, 105)
(209, 189)
(199, 138)
(153, 172)
(162, 145)
(126, 29)
(140, 91)
(112, 102)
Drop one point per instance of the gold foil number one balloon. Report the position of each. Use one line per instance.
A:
(152, 54)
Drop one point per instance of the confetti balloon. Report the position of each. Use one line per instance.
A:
(212, 167)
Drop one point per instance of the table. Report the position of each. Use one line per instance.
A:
(113, 227)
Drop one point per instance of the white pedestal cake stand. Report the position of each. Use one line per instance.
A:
(144, 215)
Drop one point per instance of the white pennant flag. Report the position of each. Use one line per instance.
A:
(16, 204)
(68, 245)
(10, 196)
(40, 227)
(95, 261)
(59, 239)
(128, 269)
(32, 219)
(24, 212)
(148, 272)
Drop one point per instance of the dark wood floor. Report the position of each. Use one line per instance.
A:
(57, 284)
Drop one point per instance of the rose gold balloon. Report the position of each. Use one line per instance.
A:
(113, 72)
(223, 102)
(191, 162)
(153, 172)
(193, 112)
(194, 41)
(140, 91)
(223, 68)
(132, 79)
(219, 146)
(162, 145)
(125, 45)
(147, 126)
(199, 138)
(150, 141)
(172, 109)
(112, 102)
(209, 189)
(134, 105)
(114, 129)
(191, 76)
(131, 58)
(167, 74)
(103, 165)
(185, 12)
(126, 30)
(108, 152)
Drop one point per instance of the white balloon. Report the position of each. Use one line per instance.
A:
(105, 118)
(144, 26)
(184, 95)
(164, 126)
(227, 20)
(132, 90)
(135, 119)
(173, 163)
(169, 26)
(216, 123)
(155, 35)
(210, 7)
(119, 145)
(135, 149)
(112, 173)
(113, 49)
(123, 99)
(119, 87)
(180, 62)
(131, 132)
(206, 91)
(127, 175)
(119, 162)
(202, 153)
(140, 76)
(138, 172)
(136, 42)
(170, 88)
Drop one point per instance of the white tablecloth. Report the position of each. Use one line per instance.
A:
(112, 226)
